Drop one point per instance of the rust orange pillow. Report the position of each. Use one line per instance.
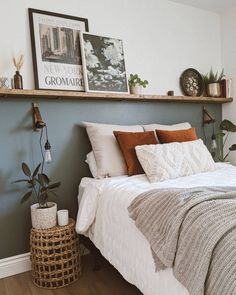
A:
(127, 142)
(167, 136)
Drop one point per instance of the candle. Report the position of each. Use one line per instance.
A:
(63, 217)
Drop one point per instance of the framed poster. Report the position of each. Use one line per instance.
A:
(56, 50)
(103, 63)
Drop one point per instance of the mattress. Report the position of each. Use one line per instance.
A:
(104, 218)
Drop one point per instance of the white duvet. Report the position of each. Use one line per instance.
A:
(104, 218)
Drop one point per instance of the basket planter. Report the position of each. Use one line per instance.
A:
(55, 257)
(43, 218)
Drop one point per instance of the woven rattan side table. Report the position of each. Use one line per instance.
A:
(55, 256)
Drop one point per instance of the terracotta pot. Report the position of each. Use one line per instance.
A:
(137, 90)
(43, 218)
(214, 90)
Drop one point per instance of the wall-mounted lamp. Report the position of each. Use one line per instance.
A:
(209, 119)
(40, 125)
(37, 118)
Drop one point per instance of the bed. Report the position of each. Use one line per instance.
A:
(104, 218)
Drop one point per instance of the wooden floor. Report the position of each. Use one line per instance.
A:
(106, 281)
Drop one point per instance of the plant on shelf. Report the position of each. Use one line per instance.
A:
(136, 84)
(226, 127)
(212, 83)
(39, 185)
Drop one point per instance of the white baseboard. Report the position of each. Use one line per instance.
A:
(13, 265)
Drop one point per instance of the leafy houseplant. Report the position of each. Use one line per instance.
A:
(43, 214)
(136, 84)
(212, 83)
(226, 128)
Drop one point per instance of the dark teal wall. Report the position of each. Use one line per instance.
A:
(70, 144)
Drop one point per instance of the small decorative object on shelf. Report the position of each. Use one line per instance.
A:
(6, 83)
(213, 83)
(18, 80)
(63, 217)
(55, 256)
(171, 93)
(136, 84)
(192, 83)
(226, 88)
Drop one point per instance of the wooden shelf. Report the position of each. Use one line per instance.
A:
(47, 94)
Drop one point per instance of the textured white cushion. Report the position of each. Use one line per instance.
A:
(90, 160)
(108, 156)
(172, 160)
(179, 126)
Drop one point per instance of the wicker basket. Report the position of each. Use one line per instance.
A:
(55, 256)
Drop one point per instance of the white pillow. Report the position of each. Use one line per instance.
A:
(172, 160)
(108, 156)
(179, 126)
(90, 160)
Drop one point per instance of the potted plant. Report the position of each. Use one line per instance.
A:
(43, 213)
(226, 127)
(212, 83)
(136, 84)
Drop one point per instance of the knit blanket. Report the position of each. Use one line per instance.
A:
(194, 232)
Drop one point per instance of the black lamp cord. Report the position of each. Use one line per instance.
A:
(41, 144)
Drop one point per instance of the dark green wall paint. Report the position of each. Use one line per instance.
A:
(70, 144)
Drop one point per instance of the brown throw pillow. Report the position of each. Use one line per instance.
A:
(166, 136)
(127, 142)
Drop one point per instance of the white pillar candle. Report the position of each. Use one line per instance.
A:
(63, 217)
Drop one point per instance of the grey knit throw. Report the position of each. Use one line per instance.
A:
(194, 232)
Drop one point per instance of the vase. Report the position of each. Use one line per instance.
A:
(18, 80)
(43, 218)
(214, 90)
(136, 90)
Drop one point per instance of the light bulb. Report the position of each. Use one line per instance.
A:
(47, 153)
(47, 156)
(213, 143)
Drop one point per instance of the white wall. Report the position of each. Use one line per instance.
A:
(161, 38)
(228, 33)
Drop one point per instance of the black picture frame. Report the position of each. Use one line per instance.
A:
(103, 64)
(73, 63)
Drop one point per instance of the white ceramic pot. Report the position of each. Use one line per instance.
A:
(43, 218)
(214, 90)
(137, 89)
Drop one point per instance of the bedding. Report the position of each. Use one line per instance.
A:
(171, 160)
(127, 142)
(109, 159)
(90, 160)
(167, 136)
(179, 126)
(103, 216)
(193, 231)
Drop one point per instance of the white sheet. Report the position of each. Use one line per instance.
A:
(103, 216)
